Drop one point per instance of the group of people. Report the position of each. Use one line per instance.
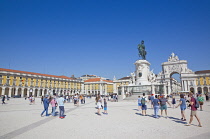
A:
(59, 101)
(161, 101)
(99, 100)
(78, 98)
(31, 100)
(54, 101)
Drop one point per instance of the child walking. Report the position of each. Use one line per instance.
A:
(105, 106)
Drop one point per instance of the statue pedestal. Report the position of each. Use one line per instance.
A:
(142, 72)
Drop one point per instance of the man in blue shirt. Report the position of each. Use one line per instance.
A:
(151, 99)
(156, 103)
(46, 105)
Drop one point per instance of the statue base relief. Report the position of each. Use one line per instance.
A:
(142, 72)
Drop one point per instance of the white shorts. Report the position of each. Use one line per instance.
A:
(98, 105)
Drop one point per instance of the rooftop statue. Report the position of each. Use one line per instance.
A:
(142, 51)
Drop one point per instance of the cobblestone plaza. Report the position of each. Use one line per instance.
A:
(20, 120)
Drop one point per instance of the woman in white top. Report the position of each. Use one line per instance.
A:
(99, 103)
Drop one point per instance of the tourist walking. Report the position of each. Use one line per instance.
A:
(163, 105)
(182, 104)
(207, 96)
(105, 106)
(46, 105)
(3, 99)
(99, 103)
(144, 105)
(193, 111)
(53, 102)
(173, 101)
(83, 99)
(30, 100)
(201, 101)
(151, 100)
(42, 98)
(33, 99)
(61, 106)
(139, 103)
(156, 103)
(75, 100)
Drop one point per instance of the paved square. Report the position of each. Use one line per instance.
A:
(20, 120)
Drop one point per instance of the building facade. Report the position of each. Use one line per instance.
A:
(23, 83)
(202, 82)
(125, 81)
(98, 86)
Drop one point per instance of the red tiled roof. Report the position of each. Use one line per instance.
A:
(125, 78)
(97, 80)
(33, 73)
(202, 72)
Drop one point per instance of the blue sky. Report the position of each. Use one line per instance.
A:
(101, 36)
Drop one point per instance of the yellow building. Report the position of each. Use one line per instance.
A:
(23, 83)
(121, 82)
(98, 85)
(202, 82)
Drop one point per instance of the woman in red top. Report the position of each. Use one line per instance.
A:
(193, 110)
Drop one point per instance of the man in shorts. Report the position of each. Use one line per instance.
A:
(193, 111)
(139, 103)
(144, 105)
(163, 105)
(151, 100)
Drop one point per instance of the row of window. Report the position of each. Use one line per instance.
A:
(38, 82)
(203, 81)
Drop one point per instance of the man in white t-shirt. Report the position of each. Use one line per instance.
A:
(61, 106)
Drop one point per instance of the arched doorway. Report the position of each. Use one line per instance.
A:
(36, 93)
(7, 91)
(45, 91)
(0, 91)
(199, 90)
(31, 92)
(205, 89)
(175, 82)
(25, 92)
(13, 92)
(41, 92)
(19, 92)
(192, 90)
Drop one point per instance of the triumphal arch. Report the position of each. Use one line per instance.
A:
(176, 66)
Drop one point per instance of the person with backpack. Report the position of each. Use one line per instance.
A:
(194, 104)
(163, 105)
(144, 105)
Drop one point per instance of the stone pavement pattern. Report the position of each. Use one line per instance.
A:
(20, 120)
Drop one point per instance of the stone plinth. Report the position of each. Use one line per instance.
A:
(142, 72)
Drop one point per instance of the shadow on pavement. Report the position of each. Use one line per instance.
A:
(136, 109)
(177, 120)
